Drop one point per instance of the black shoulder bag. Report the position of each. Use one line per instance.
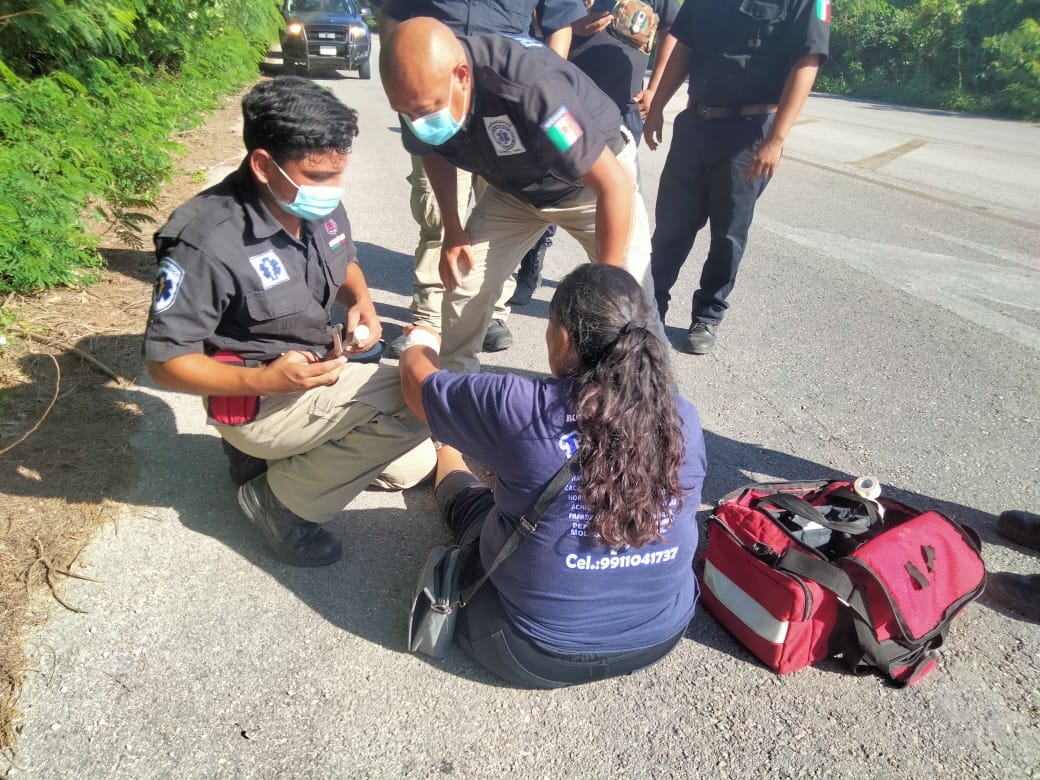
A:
(439, 594)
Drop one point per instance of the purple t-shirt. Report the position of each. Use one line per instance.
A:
(563, 589)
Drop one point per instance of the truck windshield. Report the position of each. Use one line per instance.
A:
(327, 6)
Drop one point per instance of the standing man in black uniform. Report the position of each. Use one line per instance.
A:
(548, 142)
(751, 66)
(618, 68)
(248, 273)
(467, 17)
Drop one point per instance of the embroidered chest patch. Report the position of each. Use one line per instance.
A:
(167, 285)
(562, 129)
(503, 135)
(269, 268)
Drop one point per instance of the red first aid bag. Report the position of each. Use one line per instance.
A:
(803, 571)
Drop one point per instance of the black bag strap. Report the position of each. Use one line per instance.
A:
(801, 510)
(864, 650)
(525, 526)
(829, 576)
(900, 661)
(774, 487)
(869, 506)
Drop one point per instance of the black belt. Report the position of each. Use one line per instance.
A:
(730, 112)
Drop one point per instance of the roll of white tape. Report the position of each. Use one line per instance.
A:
(361, 334)
(868, 487)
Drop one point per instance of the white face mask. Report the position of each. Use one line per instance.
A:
(311, 201)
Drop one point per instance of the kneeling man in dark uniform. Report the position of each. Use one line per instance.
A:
(248, 273)
(546, 139)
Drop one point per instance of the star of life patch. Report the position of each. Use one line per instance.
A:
(503, 135)
(167, 285)
(269, 268)
(562, 129)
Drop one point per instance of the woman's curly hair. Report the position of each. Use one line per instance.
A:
(631, 442)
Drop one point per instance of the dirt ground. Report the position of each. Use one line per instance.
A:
(64, 427)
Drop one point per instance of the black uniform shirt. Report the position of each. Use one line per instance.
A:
(743, 50)
(536, 122)
(474, 17)
(231, 278)
(615, 66)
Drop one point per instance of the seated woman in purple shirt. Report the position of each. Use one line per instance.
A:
(604, 585)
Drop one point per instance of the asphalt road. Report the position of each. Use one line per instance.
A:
(886, 321)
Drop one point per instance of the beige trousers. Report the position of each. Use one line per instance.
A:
(326, 445)
(501, 230)
(427, 288)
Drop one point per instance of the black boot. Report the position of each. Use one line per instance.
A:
(529, 274)
(292, 538)
(1020, 527)
(242, 467)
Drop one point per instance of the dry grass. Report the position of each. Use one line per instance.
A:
(66, 419)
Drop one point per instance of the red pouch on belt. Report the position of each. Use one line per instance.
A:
(232, 409)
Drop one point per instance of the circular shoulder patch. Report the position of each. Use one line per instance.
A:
(167, 285)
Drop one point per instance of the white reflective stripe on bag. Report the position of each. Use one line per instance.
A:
(744, 606)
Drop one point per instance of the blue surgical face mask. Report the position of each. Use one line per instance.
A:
(436, 128)
(311, 201)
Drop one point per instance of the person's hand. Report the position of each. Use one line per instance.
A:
(590, 24)
(653, 129)
(643, 98)
(363, 313)
(456, 259)
(766, 158)
(296, 371)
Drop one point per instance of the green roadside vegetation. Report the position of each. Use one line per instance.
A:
(977, 56)
(91, 92)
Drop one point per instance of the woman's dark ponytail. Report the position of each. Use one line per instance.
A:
(630, 434)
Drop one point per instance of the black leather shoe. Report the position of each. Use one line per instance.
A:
(242, 467)
(1020, 527)
(293, 539)
(498, 337)
(701, 339)
(1018, 592)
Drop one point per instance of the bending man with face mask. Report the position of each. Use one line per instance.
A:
(548, 142)
(249, 271)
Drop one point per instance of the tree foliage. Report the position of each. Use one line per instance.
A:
(966, 55)
(90, 93)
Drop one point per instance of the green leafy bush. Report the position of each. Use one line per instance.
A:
(961, 55)
(90, 93)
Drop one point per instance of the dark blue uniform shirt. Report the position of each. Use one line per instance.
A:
(536, 123)
(615, 66)
(473, 17)
(232, 278)
(742, 50)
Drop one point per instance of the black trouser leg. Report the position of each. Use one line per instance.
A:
(529, 274)
(681, 209)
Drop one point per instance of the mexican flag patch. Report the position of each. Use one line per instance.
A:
(563, 129)
(823, 10)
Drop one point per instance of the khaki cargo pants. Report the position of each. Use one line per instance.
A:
(326, 445)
